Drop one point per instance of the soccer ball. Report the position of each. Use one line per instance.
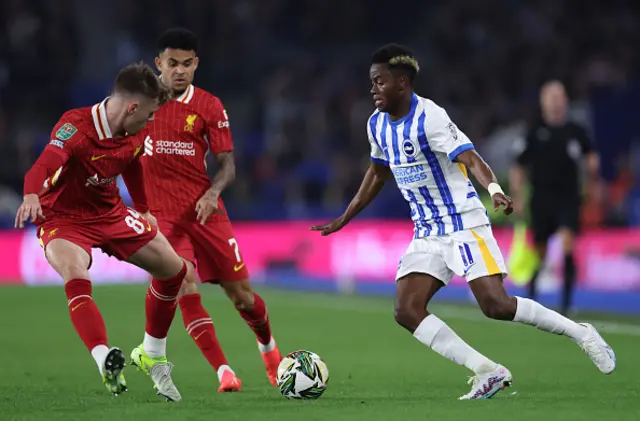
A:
(302, 375)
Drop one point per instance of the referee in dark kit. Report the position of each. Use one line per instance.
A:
(553, 155)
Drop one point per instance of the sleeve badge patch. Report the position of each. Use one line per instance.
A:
(453, 130)
(66, 131)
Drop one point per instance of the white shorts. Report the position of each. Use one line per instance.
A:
(471, 253)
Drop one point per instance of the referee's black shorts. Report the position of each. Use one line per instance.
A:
(550, 213)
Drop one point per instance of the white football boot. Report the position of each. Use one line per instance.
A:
(598, 350)
(484, 386)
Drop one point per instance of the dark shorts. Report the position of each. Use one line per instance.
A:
(548, 214)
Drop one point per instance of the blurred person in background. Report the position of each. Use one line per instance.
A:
(552, 155)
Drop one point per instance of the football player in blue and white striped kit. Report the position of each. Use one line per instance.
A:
(413, 140)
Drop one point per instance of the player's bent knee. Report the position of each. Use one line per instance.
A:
(158, 258)
(73, 271)
(498, 308)
(244, 301)
(190, 277)
(408, 317)
(68, 259)
(244, 306)
(190, 282)
(172, 264)
(188, 288)
(70, 268)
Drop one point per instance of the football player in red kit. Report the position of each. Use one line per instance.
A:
(71, 194)
(188, 206)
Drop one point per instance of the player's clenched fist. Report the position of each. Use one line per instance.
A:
(501, 199)
(206, 206)
(30, 208)
(331, 227)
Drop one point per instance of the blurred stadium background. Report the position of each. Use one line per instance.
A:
(293, 76)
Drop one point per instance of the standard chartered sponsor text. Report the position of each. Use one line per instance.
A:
(175, 148)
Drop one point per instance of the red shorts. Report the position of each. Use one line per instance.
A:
(212, 247)
(120, 233)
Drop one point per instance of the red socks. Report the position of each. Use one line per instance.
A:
(85, 316)
(200, 328)
(160, 304)
(258, 320)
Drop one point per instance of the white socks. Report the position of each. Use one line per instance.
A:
(154, 347)
(435, 334)
(99, 354)
(221, 371)
(268, 347)
(532, 313)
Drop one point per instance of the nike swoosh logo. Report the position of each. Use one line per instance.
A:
(95, 158)
(466, 271)
(200, 334)
(237, 268)
(148, 227)
(74, 308)
(137, 150)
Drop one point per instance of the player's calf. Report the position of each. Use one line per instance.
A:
(253, 310)
(89, 325)
(534, 314)
(492, 298)
(168, 270)
(200, 327)
(413, 293)
(240, 294)
(71, 262)
(494, 301)
(86, 317)
(160, 306)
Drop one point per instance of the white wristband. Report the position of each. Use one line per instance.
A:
(494, 188)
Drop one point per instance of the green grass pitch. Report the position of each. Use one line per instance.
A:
(378, 371)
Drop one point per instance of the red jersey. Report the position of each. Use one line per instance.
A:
(183, 133)
(75, 176)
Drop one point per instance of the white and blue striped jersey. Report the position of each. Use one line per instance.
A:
(420, 148)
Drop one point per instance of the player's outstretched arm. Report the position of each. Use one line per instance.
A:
(485, 176)
(372, 184)
(43, 172)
